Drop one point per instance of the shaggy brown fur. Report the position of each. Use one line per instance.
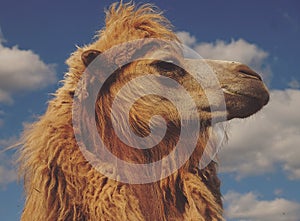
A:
(61, 184)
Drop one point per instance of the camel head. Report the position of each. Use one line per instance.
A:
(221, 90)
(218, 90)
(145, 81)
(159, 96)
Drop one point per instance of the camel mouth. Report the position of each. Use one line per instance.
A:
(251, 87)
(244, 103)
(261, 97)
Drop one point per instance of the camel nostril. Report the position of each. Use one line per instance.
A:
(248, 72)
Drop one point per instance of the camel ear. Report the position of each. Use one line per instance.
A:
(88, 56)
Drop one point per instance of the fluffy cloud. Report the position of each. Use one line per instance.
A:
(187, 38)
(236, 50)
(8, 172)
(249, 207)
(22, 70)
(294, 84)
(270, 138)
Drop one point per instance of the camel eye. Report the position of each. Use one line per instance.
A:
(169, 65)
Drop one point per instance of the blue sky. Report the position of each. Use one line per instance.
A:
(259, 167)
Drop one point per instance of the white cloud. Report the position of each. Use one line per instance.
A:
(8, 173)
(271, 137)
(249, 207)
(22, 70)
(236, 50)
(4, 143)
(294, 84)
(5, 97)
(187, 38)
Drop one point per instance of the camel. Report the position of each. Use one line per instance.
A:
(61, 184)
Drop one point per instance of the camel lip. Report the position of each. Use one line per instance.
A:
(227, 91)
(252, 77)
(263, 98)
(248, 72)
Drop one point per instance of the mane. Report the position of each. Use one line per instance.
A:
(60, 184)
(146, 21)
